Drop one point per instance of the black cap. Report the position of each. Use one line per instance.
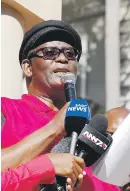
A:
(49, 31)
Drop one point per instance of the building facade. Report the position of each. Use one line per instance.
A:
(104, 27)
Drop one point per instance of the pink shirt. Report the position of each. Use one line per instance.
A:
(91, 183)
(23, 117)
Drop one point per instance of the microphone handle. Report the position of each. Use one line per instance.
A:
(74, 137)
(82, 154)
(70, 92)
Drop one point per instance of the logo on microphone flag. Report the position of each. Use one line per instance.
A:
(79, 107)
(95, 140)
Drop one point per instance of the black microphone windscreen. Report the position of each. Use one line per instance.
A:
(62, 147)
(93, 139)
(99, 122)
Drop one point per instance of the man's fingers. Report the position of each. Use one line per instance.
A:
(69, 182)
(80, 161)
(73, 178)
(69, 188)
(79, 169)
(84, 173)
(78, 183)
(80, 180)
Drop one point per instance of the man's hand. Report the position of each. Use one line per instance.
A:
(67, 165)
(59, 119)
(77, 186)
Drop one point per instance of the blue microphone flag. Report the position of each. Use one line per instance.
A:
(79, 108)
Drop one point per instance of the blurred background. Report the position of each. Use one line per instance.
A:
(104, 27)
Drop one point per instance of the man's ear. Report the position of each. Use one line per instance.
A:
(27, 68)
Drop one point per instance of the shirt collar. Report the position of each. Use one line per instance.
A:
(36, 103)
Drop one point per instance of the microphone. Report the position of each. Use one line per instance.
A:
(74, 120)
(93, 141)
(114, 166)
(77, 115)
(69, 80)
(63, 146)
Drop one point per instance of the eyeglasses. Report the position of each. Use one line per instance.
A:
(51, 53)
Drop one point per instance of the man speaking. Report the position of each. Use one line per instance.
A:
(35, 123)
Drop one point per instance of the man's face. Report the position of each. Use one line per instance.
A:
(49, 72)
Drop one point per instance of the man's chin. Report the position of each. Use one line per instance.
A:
(57, 86)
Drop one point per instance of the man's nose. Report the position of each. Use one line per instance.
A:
(62, 59)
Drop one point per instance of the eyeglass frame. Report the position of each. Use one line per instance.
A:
(61, 50)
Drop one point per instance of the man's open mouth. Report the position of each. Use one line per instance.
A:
(60, 71)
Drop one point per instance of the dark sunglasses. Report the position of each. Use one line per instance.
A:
(51, 53)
